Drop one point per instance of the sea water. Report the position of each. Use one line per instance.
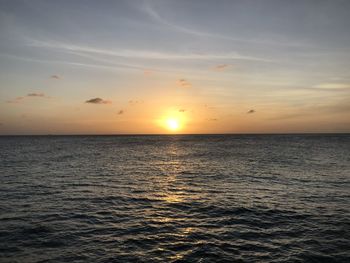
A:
(175, 198)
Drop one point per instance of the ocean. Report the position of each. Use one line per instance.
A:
(175, 198)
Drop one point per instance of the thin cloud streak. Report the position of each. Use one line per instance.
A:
(111, 67)
(183, 83)
(111, 63)
(340, 108)
(98, 101)
(151, 12)
(221, 67)
(134, 102)
(142, 54)
(98, 66)
(29, 95)
(148, 72)
(36, 95)
(333, 86)
(15, 100)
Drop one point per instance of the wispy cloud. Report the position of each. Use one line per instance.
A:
(141, 54)
(55, 77)
(183, 83)
(182, 110)
(333, 86)
(16, 100)
(112, 67)
(342, 107)
(29, 95)
(134, 102)
(148, 72)
(157, 17)
(289, 116)
(36, 95)
(251, 111)
(98, 101)
(221, 67)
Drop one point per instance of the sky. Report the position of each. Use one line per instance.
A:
(166, 66)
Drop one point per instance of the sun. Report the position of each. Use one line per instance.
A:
(173, 124)
(172, 121)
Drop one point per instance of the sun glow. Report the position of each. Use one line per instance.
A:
(173, 124)
(172, 121)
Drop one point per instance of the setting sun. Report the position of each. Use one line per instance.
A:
(173, 124)
(173, 121)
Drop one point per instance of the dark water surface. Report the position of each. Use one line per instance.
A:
(222, 198)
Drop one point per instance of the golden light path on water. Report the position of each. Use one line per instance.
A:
(171, 189)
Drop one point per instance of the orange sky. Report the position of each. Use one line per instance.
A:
(134, 67)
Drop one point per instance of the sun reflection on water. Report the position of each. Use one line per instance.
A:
(171, 189)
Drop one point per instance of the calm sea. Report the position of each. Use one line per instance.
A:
(218, 198)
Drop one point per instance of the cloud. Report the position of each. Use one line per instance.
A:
(29, 95)
(55, 77)
(120, 112)
(148, 72)
(289, 116)
(341, 107)
(158, 17)
(36, 95)
(209, 107)
(182, 110)
(16, 100)
(251, 111)
(332, 86)
(139, 54)
(98, 101)
(134, 102)
(221, 67)
(183, 83)
(213, 119)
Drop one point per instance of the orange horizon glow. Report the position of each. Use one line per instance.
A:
(139, 69)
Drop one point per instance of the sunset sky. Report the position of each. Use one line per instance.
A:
(184, 66)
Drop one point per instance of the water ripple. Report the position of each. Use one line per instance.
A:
(280, 198)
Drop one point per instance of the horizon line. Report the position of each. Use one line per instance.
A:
(178, 134)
